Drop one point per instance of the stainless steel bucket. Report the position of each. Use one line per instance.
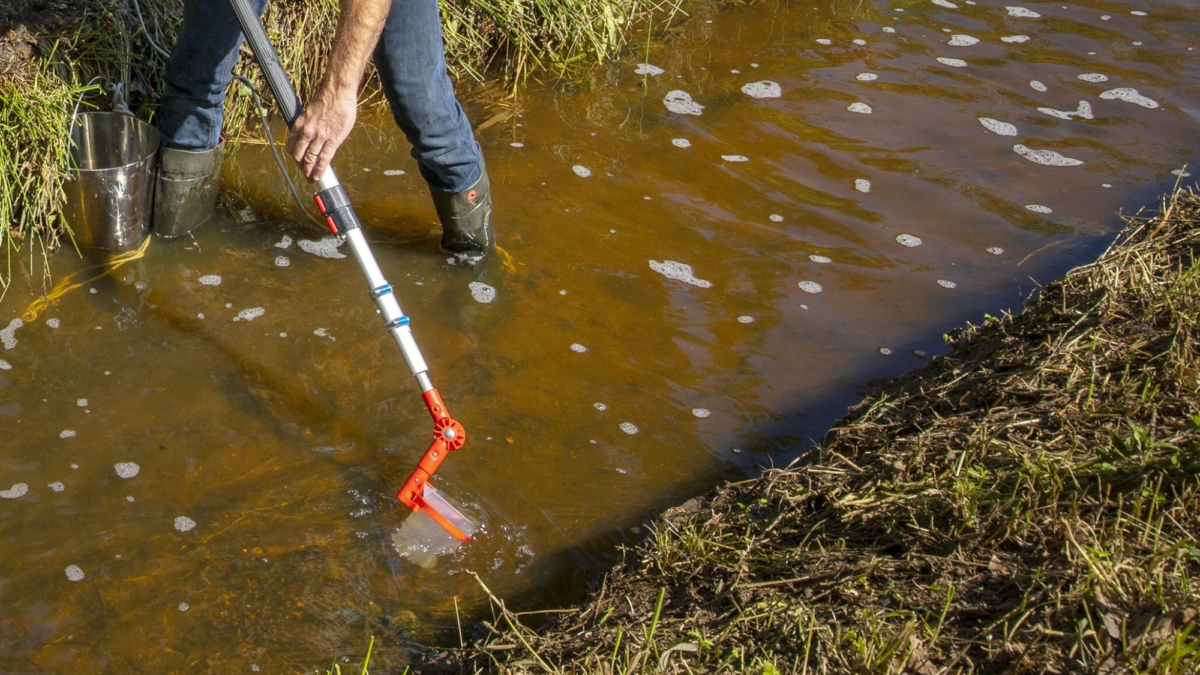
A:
(110, 193)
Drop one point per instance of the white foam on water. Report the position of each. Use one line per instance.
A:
(1138, 12)
(394, 172)
(945, 283)
(753, 65)
(866, 77)
(997, 127)
(775, 218)
(66, 433)
(324, 332)
(1084, 111)
(325, 248)
(629, 428)
(184, 524)
(563, 292)
(52, 323)
(962, 41)
(5, 365)
(762, 89)
(1038, 208)
(1023, 12)
(1092, 77)
(8, 335)
(1037, 86)
(127, 469)
(1135, 43)
(944, 3)
(600, 406)
(140, 286)
(859, 107)
(1129, 96)
(911, 241)
(862, 185)
(481, 292)
(93, 291)
(888, 29)
(210, 280)
(809, 286)
(57, 486)
(680, 272)
(200, 315)
(129, 498)
(824, 41)
(859, 42)
(648, 69)
(681, 142)
(250, 314)
(735, 158)
(953, 63)
(1045, 157)
(735, 71)
(74, 573)
(1015, 39)
(578, 348)
(1181, 173)
(581, 171)
(701, 412)
(283, 335)
(517, 144)
(17, 491)
(74, 466)
(745, 319)
(183, 607)
(282, 261)
(820, 259)
(1106, 185)
(995, 250)
(885, 351)
(680, 102)
(82, 403)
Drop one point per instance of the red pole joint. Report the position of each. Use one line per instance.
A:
(448, 435)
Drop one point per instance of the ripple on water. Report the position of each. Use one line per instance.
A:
(184, 524)
(997, 127)
(762, 89)
(680, 102)
(1129, 95)
(1045, 157)
(74, 573)
(481, 292)
(127, 469)
(809, 286)
(911, 241)
(680, 272)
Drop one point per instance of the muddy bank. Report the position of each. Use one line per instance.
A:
(1027, 503)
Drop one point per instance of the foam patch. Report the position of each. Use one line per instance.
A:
(1015, 39)
(648, 69)
(8, 335)
(1084, 111)
(578, 348)
(324, 248)
(997, 127)
(820, 259)
(701, 412)
(953, 63)
(282, 261)
(962, 41)
(57, 486)
(745, 319)
(1023, 13)
(210, 280)
(944, 283)
(1129, 95)
(17, 491)
(944, 3)
(184, 524)
(763, 89)
(481, 292)
(581, 171)
(680, 102)
(866, 77)
(52, 323)
(629, 428)
(127, 469)
(811, 287)
(735, 158)
(1037, 86)
(860, 108)
(67, 433)
(74, 573)
(250, 314)
(1092, 77)
(681, 142)
(862, 185)
(908, 240)
(995, 250)
(5, 365)
(680, 272)
(394, 172)
(1038, 208)
(1045, 157)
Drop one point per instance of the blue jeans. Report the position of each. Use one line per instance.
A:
(411, 65)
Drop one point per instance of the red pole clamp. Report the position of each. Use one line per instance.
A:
(448, 435)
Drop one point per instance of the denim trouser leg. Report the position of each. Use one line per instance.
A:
(198, 72)
(412, 68)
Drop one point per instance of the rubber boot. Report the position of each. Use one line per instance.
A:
(466, 220)
(185, 194)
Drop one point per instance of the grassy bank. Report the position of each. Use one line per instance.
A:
(49, 52)
(1028, 503)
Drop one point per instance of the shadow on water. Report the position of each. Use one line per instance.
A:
(682, 298)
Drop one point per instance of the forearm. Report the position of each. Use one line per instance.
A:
(357, 33)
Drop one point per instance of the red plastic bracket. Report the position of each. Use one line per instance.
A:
(448, 435)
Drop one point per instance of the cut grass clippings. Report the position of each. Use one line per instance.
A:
(1029, 503)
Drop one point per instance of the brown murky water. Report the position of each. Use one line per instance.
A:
(282, 436)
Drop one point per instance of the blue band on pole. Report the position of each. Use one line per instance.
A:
(396, 323)
(382, 290)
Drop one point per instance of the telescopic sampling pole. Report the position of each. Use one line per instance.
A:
(335, 206)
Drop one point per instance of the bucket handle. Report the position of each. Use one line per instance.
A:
(119, 105)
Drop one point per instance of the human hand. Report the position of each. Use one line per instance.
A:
(317, 134)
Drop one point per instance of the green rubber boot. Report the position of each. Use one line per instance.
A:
(466, 219)
(185, 194)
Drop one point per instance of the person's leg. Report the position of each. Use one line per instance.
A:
(412, 70)
(198, 73)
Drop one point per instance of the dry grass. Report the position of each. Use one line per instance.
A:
(1028, 503)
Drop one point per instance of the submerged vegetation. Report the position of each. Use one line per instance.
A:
(1028, 503)
(51, 56)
